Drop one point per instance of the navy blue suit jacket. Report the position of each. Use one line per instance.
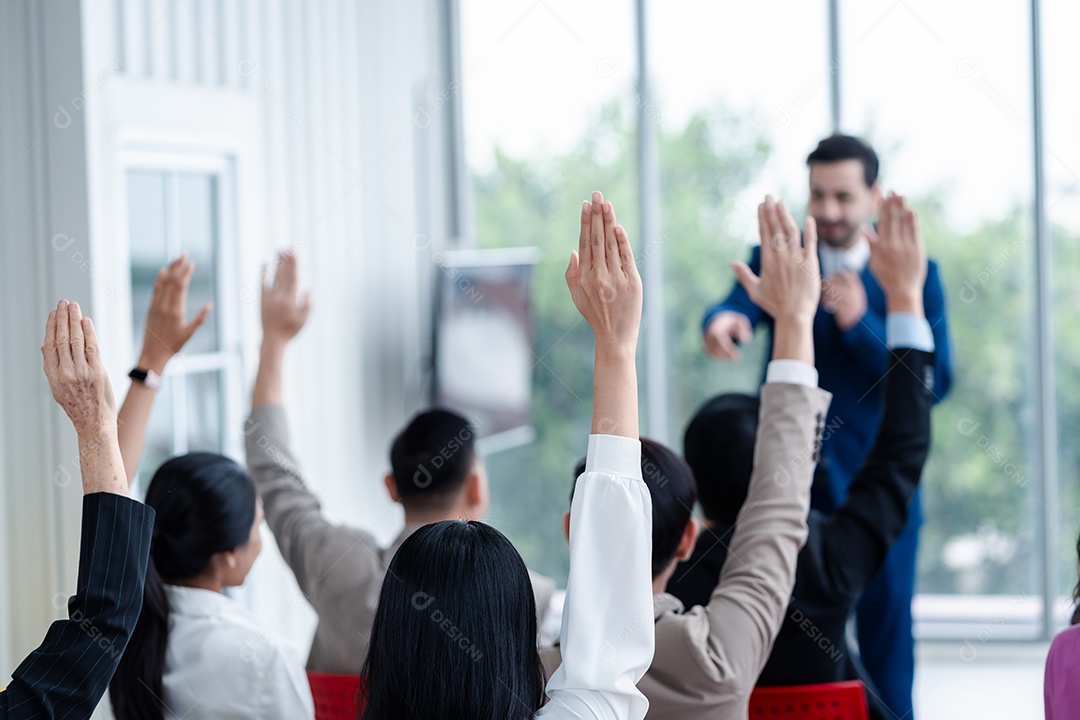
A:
(851, 365)
(68, 674)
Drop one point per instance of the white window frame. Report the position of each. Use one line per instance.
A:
(228, 358)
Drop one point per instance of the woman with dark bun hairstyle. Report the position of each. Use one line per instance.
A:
(195, 652)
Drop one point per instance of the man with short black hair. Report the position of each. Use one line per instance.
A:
(435, 471)
(436, 475)
(852, 356)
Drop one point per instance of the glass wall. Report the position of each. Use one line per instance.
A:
(549, 116)
(1061, 57)
(953, 127)
(727, 139)
(944, 93)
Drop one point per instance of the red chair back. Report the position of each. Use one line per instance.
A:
(336, 696)
(828, 701)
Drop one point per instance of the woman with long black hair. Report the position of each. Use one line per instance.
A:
(455, 631)
(195, 652)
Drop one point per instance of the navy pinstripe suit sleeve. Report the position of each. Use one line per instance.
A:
(67, 675)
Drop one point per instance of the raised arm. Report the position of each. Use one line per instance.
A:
(857, 537)
(607, 638)
(284, 314)
(167, 331)
(68, 674)
(746, 609)
(326, 559)
(80, 385)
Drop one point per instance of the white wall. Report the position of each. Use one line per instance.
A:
(313, 104)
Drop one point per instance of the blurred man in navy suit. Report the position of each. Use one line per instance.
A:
(852, 358)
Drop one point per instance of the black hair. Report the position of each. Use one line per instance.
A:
(847, 147)
(432, 457)
(671, 486)
(205, 504)
(455, 631)
(1076, 592)
(719, 447)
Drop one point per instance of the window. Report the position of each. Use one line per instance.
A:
(725, 143)
(944, 93)
(960, 147)
(530, 168)
(1060, 55)
(175, 206)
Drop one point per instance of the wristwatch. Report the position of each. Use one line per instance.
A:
(149, 378)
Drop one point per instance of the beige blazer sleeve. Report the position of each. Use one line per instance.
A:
(734, 633)
(331, 562)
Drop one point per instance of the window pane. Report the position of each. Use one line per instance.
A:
(169, 213)
(724, 144)
(942, 90)
(147, 238)
(198, 223)
(548, 117)
(1061, 57)
(205, 404)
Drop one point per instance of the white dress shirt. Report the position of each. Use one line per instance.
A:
(853, 258)
(607, 628)
(904, 330)
(220, 664)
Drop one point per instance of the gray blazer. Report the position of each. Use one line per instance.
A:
(707, 660)
(339, 568)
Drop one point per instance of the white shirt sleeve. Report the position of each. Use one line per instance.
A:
(903, 330)
(607, 633)
(793, 372)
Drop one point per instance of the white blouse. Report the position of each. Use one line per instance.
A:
(220, 664)
(607, 629)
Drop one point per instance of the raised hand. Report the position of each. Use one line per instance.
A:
(790, 281)
(898, 256)
(603, 278)
(283, 313)
(76, 374)
(72, 360)
(167, 329)
(283, 316)
(606, 288)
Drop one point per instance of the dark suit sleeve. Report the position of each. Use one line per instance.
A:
(67, 675)
(853, 542)
(934, 303)
(738, 300)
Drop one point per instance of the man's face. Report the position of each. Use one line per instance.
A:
(840, 201)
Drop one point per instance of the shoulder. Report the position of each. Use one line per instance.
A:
(1066, 642)
(672, 619)
(208, 620)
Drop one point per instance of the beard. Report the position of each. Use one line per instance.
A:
(838, 235)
